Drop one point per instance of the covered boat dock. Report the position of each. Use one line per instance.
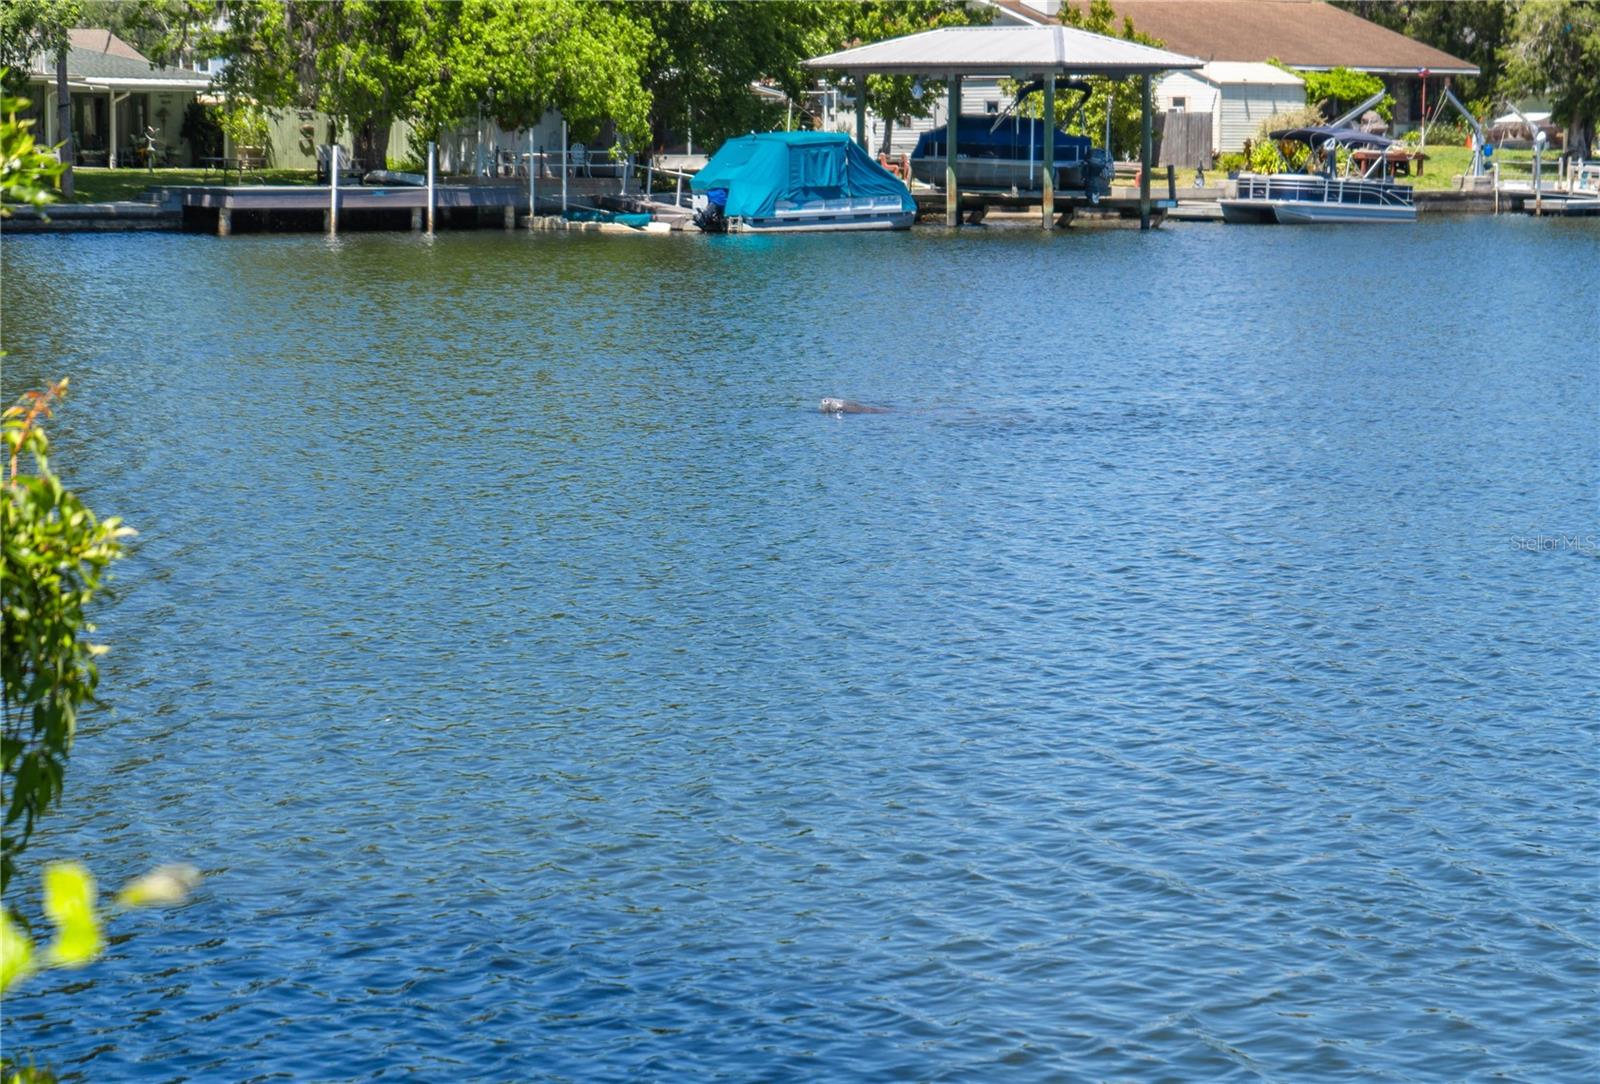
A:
(1023, 53)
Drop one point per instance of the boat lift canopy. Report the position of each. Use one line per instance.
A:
(1319, 136)
(1021, 52)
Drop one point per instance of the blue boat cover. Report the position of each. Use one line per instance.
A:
(758, 170)
(980, 137)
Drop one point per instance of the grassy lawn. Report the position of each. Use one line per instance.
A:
(1447, 160)
(104, 185)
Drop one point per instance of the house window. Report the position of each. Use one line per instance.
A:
(991, 106)
(1179, 104)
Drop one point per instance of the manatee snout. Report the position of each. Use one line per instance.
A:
(832, 405)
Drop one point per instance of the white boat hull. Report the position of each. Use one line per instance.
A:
(780, 223)
(1303, 212)
(1309, 198)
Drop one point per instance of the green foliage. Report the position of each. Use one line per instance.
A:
(891, 96)
(55, 554)
(704, 54)
(1474, 30)
(1289, 118)
(1339, 89)
(71, 904)
(27, 174)
(516, 59)
(1231, 161)
(1554, 52)
(244, 122)
(1120, 98)
(202, 130)
(31, 27)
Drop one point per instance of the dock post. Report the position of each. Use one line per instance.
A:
(563, 169)
(533, 180)
(333, 189)
(224, 222)
(416, 220)
(861, 110)
(511, 216)
(952, 136)
(433, 154)
(1048, 191)
(1145, 152)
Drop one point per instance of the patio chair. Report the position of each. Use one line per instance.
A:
(578, 159)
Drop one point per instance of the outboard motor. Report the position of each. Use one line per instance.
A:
(1097, 171)
(710, 211)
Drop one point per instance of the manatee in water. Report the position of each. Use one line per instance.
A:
(832, 405)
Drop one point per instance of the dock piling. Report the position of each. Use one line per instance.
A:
(1048, 190)
(433, 153)
(1145, 152)
(224, 222)
(952, 192)
(333, 189)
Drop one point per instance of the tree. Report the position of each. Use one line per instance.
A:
(1554, 52)
(891, 96)
(52, 559)
(705, 54)
(368, 63)
(1474, 30)
(514, 60)
(27, 174)
(30, 28)
(1337, 89)
(1120, 98)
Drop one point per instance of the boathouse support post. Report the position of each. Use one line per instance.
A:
(1048, 190)
(433, 159)
(333, 189)
(861, 110)
(1145, 151)
(952, 129)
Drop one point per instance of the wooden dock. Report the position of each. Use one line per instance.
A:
(1072, 209)
(229, 209)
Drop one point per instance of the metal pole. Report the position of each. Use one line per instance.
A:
(1048, 192)
(433, 154)
(861, 110)
(1145, 153)
(533, 181)
(952, 194)
(563, 167)
(333, 190)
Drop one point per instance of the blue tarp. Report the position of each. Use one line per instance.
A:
(756, 171)
(1009, 140)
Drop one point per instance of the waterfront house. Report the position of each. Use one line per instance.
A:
(1307, 35)
(1239, 95)
(116, 96)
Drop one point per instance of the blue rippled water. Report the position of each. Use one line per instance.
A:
(1194, 678)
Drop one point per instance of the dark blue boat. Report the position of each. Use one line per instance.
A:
(1005, 152)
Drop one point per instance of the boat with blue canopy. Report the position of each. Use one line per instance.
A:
(1317, 191)
(779, 182)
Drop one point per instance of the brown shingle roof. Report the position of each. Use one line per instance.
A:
(1301, 33)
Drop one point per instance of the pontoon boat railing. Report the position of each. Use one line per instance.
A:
(1323, 190)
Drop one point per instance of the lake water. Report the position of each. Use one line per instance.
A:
(1194, 678)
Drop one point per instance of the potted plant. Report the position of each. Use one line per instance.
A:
(245, 125)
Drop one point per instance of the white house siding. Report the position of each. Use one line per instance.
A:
(1198, 95)
(977, 94)
(1245, 106)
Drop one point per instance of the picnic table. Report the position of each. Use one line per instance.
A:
(1399, 160)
